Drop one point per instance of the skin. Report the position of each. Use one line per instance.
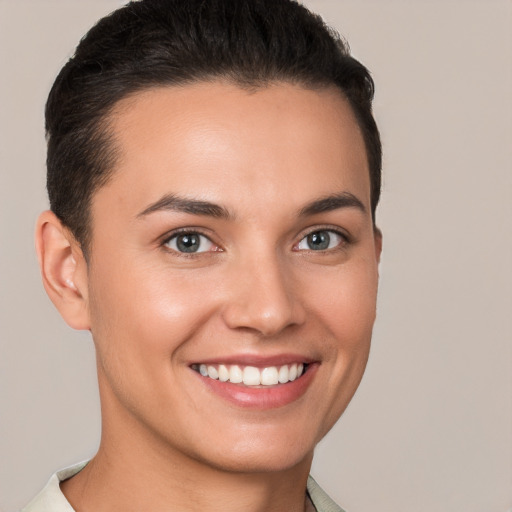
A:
(258, 289)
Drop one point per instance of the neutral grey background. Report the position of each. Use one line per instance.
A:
(430, 428)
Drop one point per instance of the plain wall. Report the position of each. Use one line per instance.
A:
(430, 428)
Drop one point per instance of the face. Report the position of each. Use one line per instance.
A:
(233, 272)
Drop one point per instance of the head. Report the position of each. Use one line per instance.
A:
(213, 173)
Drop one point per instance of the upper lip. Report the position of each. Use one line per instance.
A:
(258, 361)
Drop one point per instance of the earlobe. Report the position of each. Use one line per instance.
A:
(63, 270)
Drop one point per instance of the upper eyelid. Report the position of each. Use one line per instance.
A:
(181, 231)
(336, 229)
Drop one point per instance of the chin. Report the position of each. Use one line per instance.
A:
(262, 462)
(261, 454)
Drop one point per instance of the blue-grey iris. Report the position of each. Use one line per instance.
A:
(188, 242)
(319, 240)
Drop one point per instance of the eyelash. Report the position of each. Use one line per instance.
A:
(345, 240)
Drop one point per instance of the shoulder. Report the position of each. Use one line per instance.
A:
(320, 499)
(51, 499)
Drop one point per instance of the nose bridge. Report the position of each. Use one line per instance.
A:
(263, 295)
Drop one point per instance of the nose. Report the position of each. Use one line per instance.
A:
(264, 297)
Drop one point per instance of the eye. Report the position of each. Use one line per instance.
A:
(321, 240)
(190, 242)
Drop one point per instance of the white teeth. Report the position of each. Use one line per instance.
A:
(212, 372)
(235, 375)
(223, 373)
(269, 376)
(284, 374)
(250, 375)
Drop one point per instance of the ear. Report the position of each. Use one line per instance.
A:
(377, 235)
(63, 270)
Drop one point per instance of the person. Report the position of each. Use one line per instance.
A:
(213, 174)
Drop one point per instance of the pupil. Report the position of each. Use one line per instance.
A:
(188, 243)
(319, 241)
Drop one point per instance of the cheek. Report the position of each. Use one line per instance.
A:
(345, 300)
(347, 315)
(140, 318)
(146, 299)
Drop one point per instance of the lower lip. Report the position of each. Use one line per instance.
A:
(263, 397)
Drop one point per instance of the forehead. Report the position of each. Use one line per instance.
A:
(220, 142)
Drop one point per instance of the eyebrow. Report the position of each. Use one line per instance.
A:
(172, 202)
(332, 202)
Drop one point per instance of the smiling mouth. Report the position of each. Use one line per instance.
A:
(251, 375)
